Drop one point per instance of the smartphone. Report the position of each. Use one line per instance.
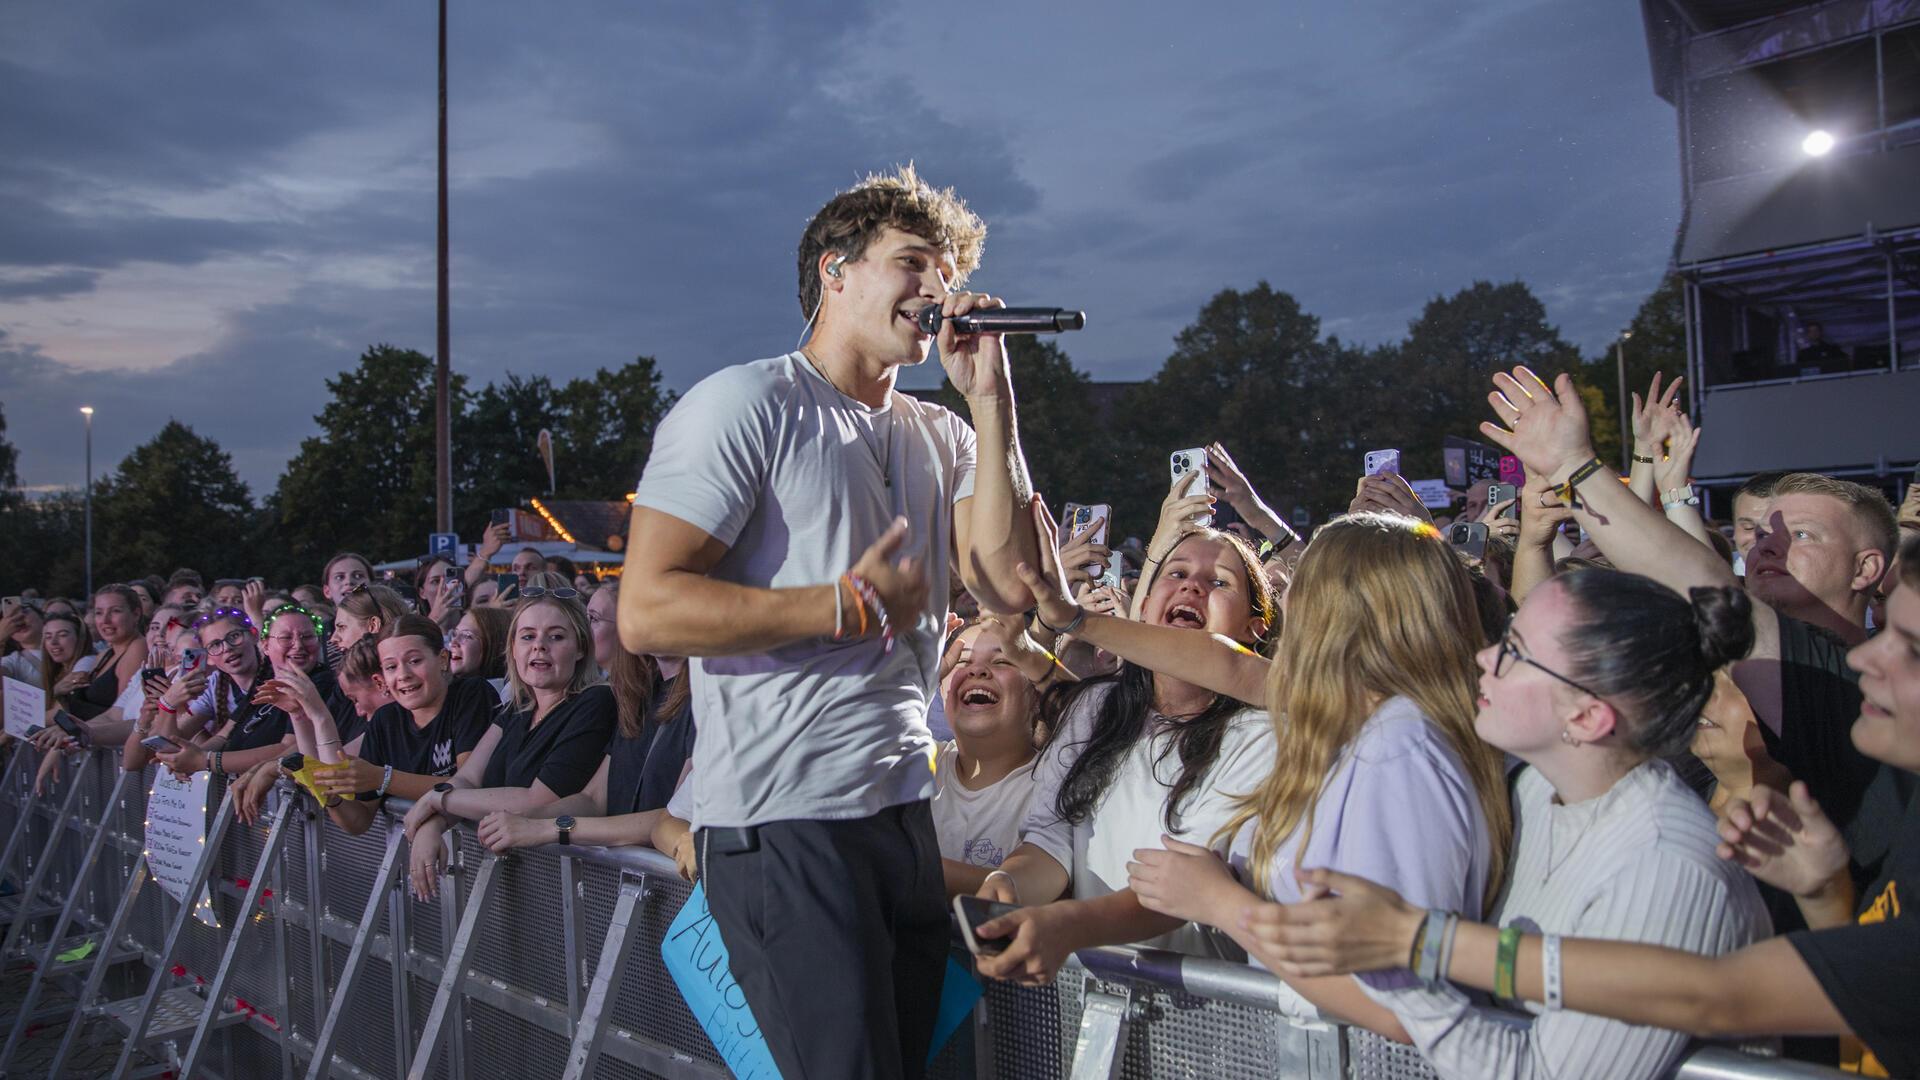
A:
(35, 730)
(1381, 461)
(148, 674)
(506, 581)
(191, 659)
(1469, 536)
(1511, 471)
(497, 517)
(160, 744)
(8, 603)
(972, 912)
(1193, 463)
(1499, 493)
(68, 724)
(456, 589)
(1078, 517)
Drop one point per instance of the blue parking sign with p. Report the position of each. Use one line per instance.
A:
(443, 544)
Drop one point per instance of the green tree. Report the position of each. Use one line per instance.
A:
(1655, 340)
(1242, 373)
(499, 458)
(607, 421)
(174, 501)
(1450, 355)
(9, 462)
(1067, 452)
(366, 481)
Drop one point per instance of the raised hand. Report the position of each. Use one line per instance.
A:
(975, 363)
(901, 584)
(492, 541)
(1177, 512)
(1541, 512)
(1649, 415)
(1048, 582)
(253, 599)
(1080, 553)
(1390, 493)
(1675, 467)
(1785, 840)
(1546, 426)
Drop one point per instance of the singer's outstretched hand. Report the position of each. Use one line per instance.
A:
(975, 363)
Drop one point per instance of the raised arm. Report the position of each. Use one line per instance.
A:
(1546, 427)
(992, 534)
(1220, 664)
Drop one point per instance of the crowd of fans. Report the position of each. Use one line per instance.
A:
(1544, 796)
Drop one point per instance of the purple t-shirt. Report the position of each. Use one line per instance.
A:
(1400, 810)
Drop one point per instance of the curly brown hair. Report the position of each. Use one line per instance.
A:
(896, 200)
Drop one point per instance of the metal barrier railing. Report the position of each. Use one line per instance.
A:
(541, 963)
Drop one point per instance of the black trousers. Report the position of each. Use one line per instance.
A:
(838, 934)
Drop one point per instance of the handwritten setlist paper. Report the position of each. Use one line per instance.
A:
(26, 707)
(177, 836)
(699, 965)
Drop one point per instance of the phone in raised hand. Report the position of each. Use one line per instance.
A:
(1192, 463)
(1499, 493)
(1469, 537)
(1078, 517)
(1381, 461)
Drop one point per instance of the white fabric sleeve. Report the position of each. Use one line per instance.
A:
(709, 459)
(1044, 828)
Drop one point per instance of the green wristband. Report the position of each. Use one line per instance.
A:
(1504, 962)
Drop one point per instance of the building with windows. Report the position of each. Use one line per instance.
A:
(1799, 242)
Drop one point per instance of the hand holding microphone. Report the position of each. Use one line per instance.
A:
(1005, 320)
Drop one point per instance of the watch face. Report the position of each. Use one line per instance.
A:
(564, 821)
(443, 788)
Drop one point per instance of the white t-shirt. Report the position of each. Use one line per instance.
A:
(978, 827)
(773, 462)
(1132, 814)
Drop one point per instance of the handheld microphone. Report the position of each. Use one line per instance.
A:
(1013, 320)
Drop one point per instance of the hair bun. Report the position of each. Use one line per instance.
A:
(1724, 618)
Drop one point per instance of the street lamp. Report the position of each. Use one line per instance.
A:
(87, 411)
(1626, 411)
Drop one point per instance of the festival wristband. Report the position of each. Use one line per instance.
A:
(1569, 490)
(1446, 948)
(1503, 962)
(1550, 974)
(1432, 941)
(1079, 619)
(1643, 459)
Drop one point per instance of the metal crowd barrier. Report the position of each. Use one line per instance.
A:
(543, 963)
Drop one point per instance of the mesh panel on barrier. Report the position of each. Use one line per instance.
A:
(519, 938)
(495, 1035)
(365, 1034)
(1370, 1057)
(648, 1003)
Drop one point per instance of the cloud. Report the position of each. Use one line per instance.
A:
(214, 210)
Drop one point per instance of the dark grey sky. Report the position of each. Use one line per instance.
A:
(208, 209)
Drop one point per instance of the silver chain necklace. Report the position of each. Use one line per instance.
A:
(883, 460)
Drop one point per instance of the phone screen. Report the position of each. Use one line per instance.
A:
(972, 912)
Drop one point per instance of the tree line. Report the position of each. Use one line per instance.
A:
(1297, 409)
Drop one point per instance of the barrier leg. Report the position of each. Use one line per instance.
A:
(455, 972)
(262, 871)
(1102, 1044)
(60, 924)
(203, 869)
(7, 781)
(103, 962)
(356, 957)
(32, 890)
(583, 1057)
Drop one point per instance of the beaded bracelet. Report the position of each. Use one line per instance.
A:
(870, 599)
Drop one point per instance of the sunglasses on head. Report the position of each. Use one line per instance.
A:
(536, 592)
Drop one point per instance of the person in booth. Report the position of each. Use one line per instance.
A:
(816, 635)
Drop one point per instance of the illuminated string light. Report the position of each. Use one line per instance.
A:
(553, 522)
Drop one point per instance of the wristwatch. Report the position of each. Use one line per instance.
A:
(1681, 496)
(443, 787)
(564, 823)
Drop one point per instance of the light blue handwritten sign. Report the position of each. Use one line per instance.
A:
(698, 962)
(958, 991)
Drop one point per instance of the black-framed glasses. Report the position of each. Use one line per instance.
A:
(561, 593)
(226, 643)
(1509, 652)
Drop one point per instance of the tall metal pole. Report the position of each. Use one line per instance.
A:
(442, 414)
(1626, 404)
(87, 411)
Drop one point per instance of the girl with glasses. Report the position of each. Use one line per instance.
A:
(1600, 677)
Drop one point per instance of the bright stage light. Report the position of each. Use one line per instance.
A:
(1817, 143)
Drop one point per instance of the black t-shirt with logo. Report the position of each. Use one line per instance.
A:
(434, 750)
(563, 751)
(1871, 970)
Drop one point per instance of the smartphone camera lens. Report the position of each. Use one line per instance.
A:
(1180, 462)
